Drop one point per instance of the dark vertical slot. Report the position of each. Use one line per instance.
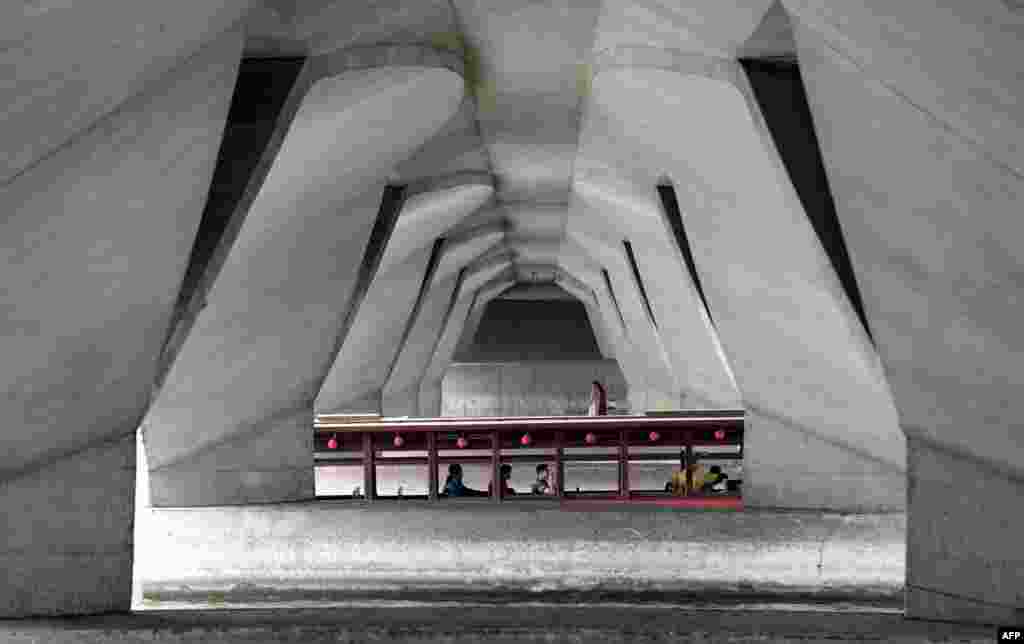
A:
(428, 277)
(390, 207)
(639, 281)
(611, 293)
(779, 90)
(261, 89)
(675, 219)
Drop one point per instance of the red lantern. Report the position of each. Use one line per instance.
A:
(590, 438)
(399, 441)
(719, 434)
(332, 443)
(461, 442)
(526, 440)
(654, 436)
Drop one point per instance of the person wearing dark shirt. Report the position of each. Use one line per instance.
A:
(506, 474)
(453, 485)
(542, 485)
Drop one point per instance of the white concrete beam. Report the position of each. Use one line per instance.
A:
(87, 298)
(823, 429)
(924, 162)
(232, 421)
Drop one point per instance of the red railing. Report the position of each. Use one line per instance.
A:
(343, 441)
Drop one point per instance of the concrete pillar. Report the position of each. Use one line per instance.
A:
(476, 292)
(374, 337)
(87, 298)
(233, 420)
(627, 210)
(918, 113)
(400, 394)
(822, 428)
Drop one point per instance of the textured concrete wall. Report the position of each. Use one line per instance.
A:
(918, 114)
(94, 243)
(543, 388)
(66, 538)
(521, 546)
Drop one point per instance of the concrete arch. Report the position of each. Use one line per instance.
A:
(237, 402)
(86, 302)
(632, 359)
(475, 291)
(662, 387)
(615, 209)
(823, 429)
(369, 350)
(400, 394)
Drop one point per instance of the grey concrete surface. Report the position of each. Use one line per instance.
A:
(86, 303)
(368, 351)
(67, 534)
(110, 119)
(68, 65)
(526, 546)
(769, 306)
(273, 312)
(548, 388)
(931, 234)
(479, 250)
(490, 623)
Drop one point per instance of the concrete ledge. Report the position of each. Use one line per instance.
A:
(457, 624)
(342, 550)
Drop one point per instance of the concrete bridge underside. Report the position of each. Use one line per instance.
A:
(431, 155)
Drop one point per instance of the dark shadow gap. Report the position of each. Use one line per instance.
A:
(512, 330)
(261, 89)
(639, 281)
(779, 90)
(428, 277)
(667, 192)
(611, 293)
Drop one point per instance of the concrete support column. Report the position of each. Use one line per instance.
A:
(233, 421)
(94, 241)
(917, 110)
(822, 431)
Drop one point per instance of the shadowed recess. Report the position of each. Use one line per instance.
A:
(611, 293)
(780, 92)
(261, 89)
(519, 329)
(390, 208)
(639, 281)
(428, 278)
(667, 192)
